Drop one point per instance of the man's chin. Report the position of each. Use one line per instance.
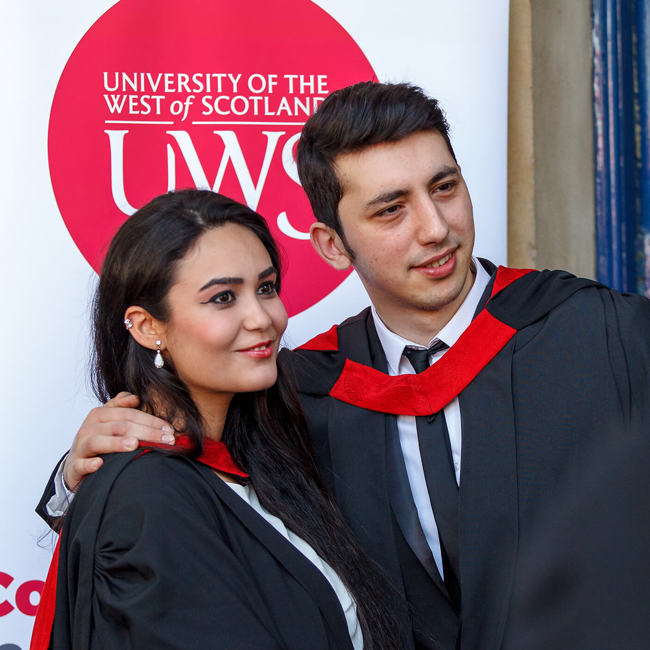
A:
(451, 299)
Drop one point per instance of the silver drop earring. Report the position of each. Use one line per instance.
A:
(158, 361)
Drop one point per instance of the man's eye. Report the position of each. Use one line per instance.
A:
(267, 288)
(390, 210)
(223, 298)
(446, 187)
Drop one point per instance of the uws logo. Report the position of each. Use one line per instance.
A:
(160, 95)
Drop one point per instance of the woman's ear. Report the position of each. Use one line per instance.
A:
(329, 245)
(144, 328)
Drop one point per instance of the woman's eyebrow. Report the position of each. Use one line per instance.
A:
(266, 272)
(233, 280)
(221, 281)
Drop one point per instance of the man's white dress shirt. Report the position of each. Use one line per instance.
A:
(398, 364)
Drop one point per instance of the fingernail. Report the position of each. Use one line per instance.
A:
(168, 439)
(167, 429)
(96, 464)
(130, 443)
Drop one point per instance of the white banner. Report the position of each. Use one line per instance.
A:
(66, 124)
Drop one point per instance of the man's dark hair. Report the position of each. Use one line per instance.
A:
(351, 119)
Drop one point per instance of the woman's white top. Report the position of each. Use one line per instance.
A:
(247, 493)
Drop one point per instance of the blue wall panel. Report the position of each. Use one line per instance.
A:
(621, 32)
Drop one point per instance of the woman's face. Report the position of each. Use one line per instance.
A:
(226, 318)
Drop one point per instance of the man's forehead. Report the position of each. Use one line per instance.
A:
(418, 157)
(392, 141)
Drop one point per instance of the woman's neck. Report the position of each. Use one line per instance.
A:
(213, 409)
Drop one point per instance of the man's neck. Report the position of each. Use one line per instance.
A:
(421, 325)
(448, 330)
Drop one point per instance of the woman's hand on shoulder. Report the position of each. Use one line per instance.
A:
(116, 426)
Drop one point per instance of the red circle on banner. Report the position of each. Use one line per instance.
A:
(160, 94)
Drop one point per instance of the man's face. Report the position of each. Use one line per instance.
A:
(407, 219)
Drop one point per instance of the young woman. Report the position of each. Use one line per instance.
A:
(229, 540)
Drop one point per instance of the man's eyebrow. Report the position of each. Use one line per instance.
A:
(387, 197)
(233, 280)
(447, 170)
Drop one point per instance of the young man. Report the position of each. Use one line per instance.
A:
(440, 474)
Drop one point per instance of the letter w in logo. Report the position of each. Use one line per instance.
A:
(232, 152)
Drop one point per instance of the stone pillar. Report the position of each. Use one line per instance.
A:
(551, 221)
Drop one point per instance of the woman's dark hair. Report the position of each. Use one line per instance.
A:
(265, 431)
(351, 119)
(139, 269)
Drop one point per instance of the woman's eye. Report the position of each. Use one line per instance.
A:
(266, 288)
(223, 298)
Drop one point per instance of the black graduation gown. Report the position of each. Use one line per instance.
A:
(157, 552)
(574, 375)
(586, 575)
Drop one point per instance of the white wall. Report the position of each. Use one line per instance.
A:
(456, 51)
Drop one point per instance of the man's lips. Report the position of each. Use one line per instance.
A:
(438, 266)
(261, 350)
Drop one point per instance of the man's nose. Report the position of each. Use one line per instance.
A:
(432, 227)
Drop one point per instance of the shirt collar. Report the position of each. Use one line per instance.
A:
(393, 344)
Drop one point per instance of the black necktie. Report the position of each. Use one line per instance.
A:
(439, 474)
(419, 357)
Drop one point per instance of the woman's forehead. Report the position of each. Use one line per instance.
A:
(231, 250)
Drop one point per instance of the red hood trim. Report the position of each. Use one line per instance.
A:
(434, 388)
